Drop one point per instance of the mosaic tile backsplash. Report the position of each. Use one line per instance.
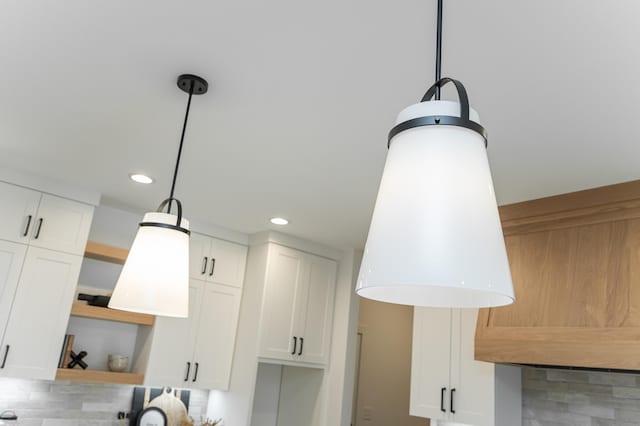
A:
(41, 403)
(553, 397)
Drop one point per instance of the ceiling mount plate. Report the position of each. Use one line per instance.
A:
(200, 85)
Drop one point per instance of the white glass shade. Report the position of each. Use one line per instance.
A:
(435, 237)
(155, 277)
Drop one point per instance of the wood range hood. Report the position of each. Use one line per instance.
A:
(575, 263)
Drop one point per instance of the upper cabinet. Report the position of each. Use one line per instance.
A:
(575, 265)
(215, 260)
(43, 220)
(297, 307)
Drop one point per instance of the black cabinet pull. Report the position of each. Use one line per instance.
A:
(442, 392)
(452, 392)
(6, 353)
(301, 345)
(26, 230)
(295, 345)
(204, 265)
(186, 378)
(195, 374)
(39, 228)
(213, 265)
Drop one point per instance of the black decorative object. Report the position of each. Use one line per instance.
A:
(76, 359)
(102, 301)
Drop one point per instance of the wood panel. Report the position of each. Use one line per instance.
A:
(87, 311)
(576, 276)
(96, 376)
(106, 253)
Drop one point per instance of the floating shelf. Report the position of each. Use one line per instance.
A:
(106, 253)
(87, 311)
(96, 376)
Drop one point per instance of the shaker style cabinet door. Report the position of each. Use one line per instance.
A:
(216, 339)
(61, 225)
(199, 256)
(47, 286)
(18, 209)
(11, 259)
(227, 263)
(282, 292)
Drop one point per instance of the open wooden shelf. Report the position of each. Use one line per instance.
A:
(87, 311)
(106, 253)
(96, 376)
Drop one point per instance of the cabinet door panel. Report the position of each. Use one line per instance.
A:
(62, 225)
(318, 309)
(216, 336)
(16, 205)
(281, 294)
(40, 313)
(474, 381)
(430, 362)
(173, 344)
(230, 260)
(11, 259)
(199, 248)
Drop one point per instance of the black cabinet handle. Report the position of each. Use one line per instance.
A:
(301, 345)
(39, 228)
(186, 378)
(452, 392)
(295, 345)
(26, 230)
(204, 265)
(213, 265)
(195, 374)
(442, 392)
(6, 353)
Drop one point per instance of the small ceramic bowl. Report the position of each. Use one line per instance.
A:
(117, 363)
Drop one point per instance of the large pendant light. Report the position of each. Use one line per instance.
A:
(435, 237)
(155, 277)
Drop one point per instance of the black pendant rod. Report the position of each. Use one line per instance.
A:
(184, 129)
(439, 50)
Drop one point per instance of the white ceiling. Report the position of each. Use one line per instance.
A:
(302, 95)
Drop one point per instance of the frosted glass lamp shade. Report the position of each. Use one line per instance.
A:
(435, 237)
(155, 277)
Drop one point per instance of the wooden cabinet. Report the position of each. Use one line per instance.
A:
(215, 260)
(447, 384)
(197, 351)
(43, 220)
(39, 314)
(575, 263)
(297, 308)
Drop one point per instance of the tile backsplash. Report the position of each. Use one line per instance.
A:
(42, 403)
(552, 397)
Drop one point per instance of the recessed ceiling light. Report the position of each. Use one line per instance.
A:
(140, 178)
(279, 221)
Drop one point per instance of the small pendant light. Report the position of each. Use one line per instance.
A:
(435, 237)
(155, 277)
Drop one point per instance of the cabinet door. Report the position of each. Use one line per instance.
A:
(473, 381)
(170, 360)
(11, 259)
(18, 208)
(62, 225)
(40, 313)
(216, 337)
(282, 292)
(430, 363)
(317, 309)
(199, 256)
(227, 263)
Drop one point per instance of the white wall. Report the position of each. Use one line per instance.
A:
(267, 395)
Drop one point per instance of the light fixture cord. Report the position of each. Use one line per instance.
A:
(184, 129)
(439, 50)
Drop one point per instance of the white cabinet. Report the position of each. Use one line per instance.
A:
(39, 314)
(297, 307)
(215, 260)
(43, 220)
(447, 384)
(11, 259)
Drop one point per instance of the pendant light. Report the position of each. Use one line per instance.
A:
(155, 276)
(435, 237)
